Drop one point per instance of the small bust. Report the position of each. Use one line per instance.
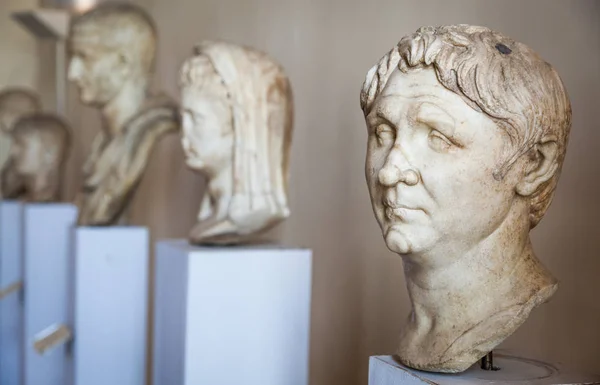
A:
(467, 132)
(237, 117)
(112, 51)
(14, 103)
(40, 143)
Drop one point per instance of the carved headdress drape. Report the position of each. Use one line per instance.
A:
(261, 103)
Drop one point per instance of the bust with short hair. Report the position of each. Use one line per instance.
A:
(40, 144)
(15, 102)
(112, 51)
(237, 120)
(467, 133)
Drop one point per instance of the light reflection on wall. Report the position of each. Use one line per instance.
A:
(74, 5)
(83, 5)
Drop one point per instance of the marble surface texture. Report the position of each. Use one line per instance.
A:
(112, 52)
(467, 132)
(237, 120)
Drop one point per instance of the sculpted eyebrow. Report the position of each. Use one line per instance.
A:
(381, 115)
(375, 116)
(433, 115)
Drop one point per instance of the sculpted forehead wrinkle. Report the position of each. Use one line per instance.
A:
(420, 84)
(422, 81)
(427, 110)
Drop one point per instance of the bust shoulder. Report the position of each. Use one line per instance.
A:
(157, 111)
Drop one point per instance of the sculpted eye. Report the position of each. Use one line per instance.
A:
(439, 142)
(385, 134)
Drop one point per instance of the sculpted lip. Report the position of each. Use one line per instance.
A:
(391, 205)
(189, 150)
(398, 211)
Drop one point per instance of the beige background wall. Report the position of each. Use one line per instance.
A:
(359, 299)
(17, 49)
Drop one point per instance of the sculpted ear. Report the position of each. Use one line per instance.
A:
(125, 63)
(543, 163)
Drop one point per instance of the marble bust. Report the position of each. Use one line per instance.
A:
(15, 102)
(33, 172)
(112, 51)
(237, 119)
(467, 132)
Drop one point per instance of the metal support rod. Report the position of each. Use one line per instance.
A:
(487, 362)
(10, 289)
(51, 338)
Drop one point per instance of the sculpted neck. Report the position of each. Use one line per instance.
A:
(124, 106)
(220, 190)
(491, 259)
(213, 218)
(475, 301)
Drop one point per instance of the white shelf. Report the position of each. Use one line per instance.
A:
(45, 23)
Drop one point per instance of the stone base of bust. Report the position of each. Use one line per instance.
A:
(212, 301)
(386, 370)
(11, 306)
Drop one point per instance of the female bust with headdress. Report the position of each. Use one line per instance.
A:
(237, 118)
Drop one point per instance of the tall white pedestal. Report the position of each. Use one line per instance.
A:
(11, 279)
(47, 240)
(231, 315)
(384, 370)
(110, 305)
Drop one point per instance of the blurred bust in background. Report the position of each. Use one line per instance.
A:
(237, 120)
(467, 133)
(14, 103)
(112, 52)
(33, 172)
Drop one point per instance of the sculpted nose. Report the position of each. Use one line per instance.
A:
(186, 122)
(391, 175)
(185, 143)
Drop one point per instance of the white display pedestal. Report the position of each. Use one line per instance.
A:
(384, 370)
(110, 305)
(11, 281)
(47, 240)
(231, 315)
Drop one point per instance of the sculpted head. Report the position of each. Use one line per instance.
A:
(237, 117)
(15, 103)
(467, 132)
(206, 113)
(112, 45)
(38, 152)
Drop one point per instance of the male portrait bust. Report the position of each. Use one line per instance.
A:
(237, 120)
(33, 172)
(467, 133)
(112, 52)
(15, 102)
